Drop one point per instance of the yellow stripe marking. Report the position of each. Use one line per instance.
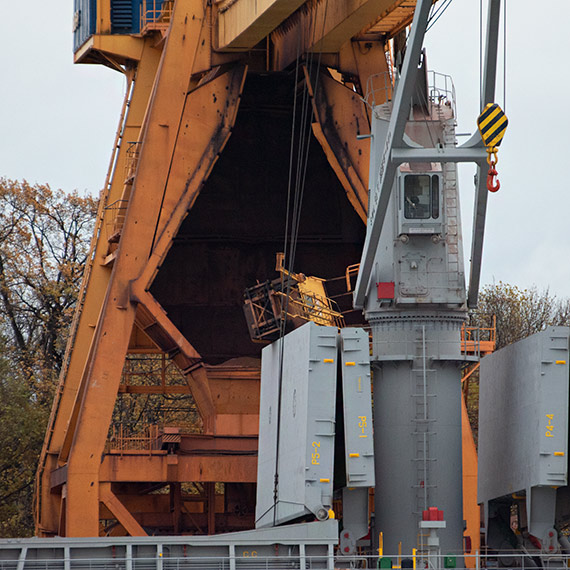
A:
(325, 480)
(496, 139)
(496, 127)
(350, 363)
(354, 454)
(490, 129)
(484, 123)
(561, 362)
(559, 453)
(362, 436)
(328, 360)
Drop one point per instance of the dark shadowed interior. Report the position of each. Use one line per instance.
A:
(230, 237)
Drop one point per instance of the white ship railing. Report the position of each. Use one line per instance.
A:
(21, 560)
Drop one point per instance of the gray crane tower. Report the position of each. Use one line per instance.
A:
(411, 287)
(416, 311)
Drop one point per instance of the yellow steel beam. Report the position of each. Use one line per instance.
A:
(327, 26)
(242, 24)
(91, 297)
(170, 339)
(471, 510)
(120, 512)
(180, 144)
(179, 468)
(101, 377)
(103, 23)
(155, 466)
(199, 144)
(122, 48)
(340, 117)
(202, 138)
(345, 19)
(152, 319)
(98, 277)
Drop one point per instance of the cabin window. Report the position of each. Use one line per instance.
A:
(421, 197)
(435, 197)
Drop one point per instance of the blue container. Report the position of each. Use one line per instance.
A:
(84, 19)
(125, 18)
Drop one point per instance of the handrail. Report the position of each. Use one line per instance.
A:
(379, 83)
(235, 554)
(156, 17)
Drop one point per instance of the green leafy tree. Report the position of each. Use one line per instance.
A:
(22, 429)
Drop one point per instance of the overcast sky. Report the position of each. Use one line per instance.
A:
(527, 236)
(58, 123)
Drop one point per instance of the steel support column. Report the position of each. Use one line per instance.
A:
(92, 293)
(164, 128)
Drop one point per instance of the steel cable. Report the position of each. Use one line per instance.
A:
(290, 245)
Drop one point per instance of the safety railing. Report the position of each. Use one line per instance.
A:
(114, 219)
(121, 439)
(479, 340)
(350, 273)
(250, 560)
(442, 90)
(379, 89)
(132, 159)
(266, 306)
(311, 307)
(156, 15)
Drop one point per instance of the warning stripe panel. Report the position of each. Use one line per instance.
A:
(494, 133)
(498, 134)
(487, 111)
(497, 115)
(492, 124)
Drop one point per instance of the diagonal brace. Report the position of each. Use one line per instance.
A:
(400, 112)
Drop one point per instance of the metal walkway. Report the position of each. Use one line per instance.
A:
(302, 546)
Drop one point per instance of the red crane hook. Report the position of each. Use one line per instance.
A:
(492, 185)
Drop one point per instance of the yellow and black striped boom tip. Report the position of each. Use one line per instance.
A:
(492, 123)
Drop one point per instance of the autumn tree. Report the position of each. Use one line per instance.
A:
(44, 243)
(519, 312)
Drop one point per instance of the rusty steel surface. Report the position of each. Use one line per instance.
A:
(336, 128)
(118, 313)
(92, 295)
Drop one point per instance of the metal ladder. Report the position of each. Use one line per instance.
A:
(423, 430)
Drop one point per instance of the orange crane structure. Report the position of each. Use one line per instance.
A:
(191, 214)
